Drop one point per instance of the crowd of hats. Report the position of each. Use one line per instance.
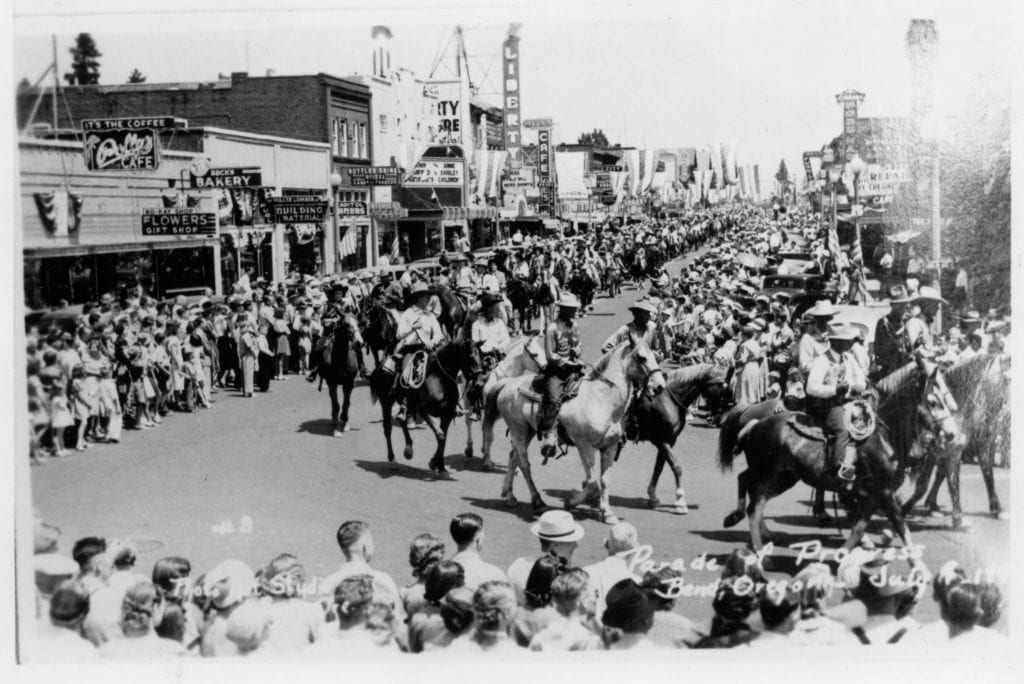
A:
(109, 608)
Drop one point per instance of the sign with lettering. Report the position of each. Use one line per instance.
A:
(881, 179)
(297, 209)
(538, 123)
(428, 172)
(133, 123)
(375, 175)
(451, 109)
(351, 208)
(510, 77)
(544, 154)
(201, 176)
(156, 222)
(613, 168)
(122, 149)
(518, 180)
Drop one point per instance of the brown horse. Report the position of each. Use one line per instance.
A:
(778, 456)
(437, 397)
(661, 418)
(339, 367)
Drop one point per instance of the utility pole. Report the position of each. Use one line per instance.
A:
(56, 82)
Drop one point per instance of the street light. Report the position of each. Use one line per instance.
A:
(335, 180)
(935, 129)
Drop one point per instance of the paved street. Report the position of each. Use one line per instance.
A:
(254, 477)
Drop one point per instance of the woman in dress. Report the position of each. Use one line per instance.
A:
(282, 347)
(425, 552)
(92, 365)
(141, 609)
(81, 406)
(751, 378)
(248, 349)
(537, 611)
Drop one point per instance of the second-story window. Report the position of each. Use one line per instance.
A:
(342, 138)
(383, 123)
(363, 145)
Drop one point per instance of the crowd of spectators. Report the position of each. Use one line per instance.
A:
(97, 604)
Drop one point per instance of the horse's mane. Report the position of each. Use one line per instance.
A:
(689, 375)
(899, 384)
(968, 374)
(602, 364)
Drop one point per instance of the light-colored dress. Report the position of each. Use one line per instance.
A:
(751, 380)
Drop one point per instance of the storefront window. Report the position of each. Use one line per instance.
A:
(184, 271)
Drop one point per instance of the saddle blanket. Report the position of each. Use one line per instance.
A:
(803, 425)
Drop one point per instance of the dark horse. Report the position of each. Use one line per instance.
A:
(437, 397)
(583, 284)
(778, 456)
(379, 327)
(522, 294)
(982, 389)
(661, 418)
(339, 367)
(453, 310)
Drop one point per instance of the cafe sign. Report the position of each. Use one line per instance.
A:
(162, 222)
(122, 149)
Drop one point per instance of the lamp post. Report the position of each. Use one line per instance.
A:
(335, 181)
(935, 129)
(856, 167)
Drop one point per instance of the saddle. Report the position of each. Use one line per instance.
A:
(414, 369)
(807, 427)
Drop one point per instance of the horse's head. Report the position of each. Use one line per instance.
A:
(938, 411)
(643, 369)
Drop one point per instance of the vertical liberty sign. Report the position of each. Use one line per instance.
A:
(510, 64)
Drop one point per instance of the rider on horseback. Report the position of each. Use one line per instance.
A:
(563, 350)
(490, 335)
(418, 330)
(835, 378)
(341, 304)
(643, 327)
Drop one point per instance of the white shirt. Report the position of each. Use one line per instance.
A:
(360, 567)
(61, 645)
(490, 283)
(476, 570)
(492, 334)
(822, 378)
(603, 576)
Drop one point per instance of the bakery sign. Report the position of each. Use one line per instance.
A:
(202, 176)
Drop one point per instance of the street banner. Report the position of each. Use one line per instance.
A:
(814, 159)
(715, 152)
(807, 166)
(122, 149)
(297, 209)
(730, 162)
(202, 176)
(879, 179)
(510, 79)
(743, 182)
(631, 161)
(158, 222)
(429, 172)
(374, 175)
(705, 184)
(451, 104)
(544, 154)
(648, 170)
(703, 162)
(498, 158)
(757, 183)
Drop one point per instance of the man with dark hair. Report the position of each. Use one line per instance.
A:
(94, 564)
(61, 640)
(356, 544)
(467, 530)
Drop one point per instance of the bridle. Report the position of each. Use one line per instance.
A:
(938, 408)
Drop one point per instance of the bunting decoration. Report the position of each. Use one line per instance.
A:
(394, 248)
(347, 247)
(60, 211)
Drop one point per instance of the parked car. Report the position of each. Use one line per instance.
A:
(796, 284)
(430, 266)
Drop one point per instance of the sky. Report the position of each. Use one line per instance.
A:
(650, 74)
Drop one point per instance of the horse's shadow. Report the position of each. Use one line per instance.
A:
(522, 509)
(386, 470)
(323, 427)
(780, 539)
(458, 461)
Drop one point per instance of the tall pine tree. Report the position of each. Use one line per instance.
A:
(85, 64)
(136, 77)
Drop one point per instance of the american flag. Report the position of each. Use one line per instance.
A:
(348, 243)
(857, 261)
(394, 249)
(837, 256)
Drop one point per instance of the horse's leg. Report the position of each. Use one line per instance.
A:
(441, 435)
(677, 470)
(487, 439)
(652, 489)
(891, 508)
(921, 486)
(952, 467)
(587, 457)
(469, 436)
(741, 503)
(861, 517)
(985, 460)
(604, 482)
(332, 391)
(523, 459)
(346, 390)
(818, 509)
(407, 451)
(758, 500)
(385, 409)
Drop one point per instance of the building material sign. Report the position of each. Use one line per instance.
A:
(510, 71)
(297, 209)
(374, 175)
(201, 178)
(159, 222)
(122, 149)
(428, 172)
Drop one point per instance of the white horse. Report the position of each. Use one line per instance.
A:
(521, 357)
(592, 420)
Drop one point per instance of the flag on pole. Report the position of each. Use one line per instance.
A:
(832, 239)
(348, 243)
(394, 249)
(860, 293)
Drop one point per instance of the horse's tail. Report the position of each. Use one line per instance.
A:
(374, 383)
(728, 438)
(491, 403)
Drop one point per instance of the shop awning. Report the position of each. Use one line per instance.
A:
(81, 250)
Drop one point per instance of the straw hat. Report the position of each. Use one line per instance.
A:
(557, 526)
(930, 294)
(839, 330)
(643, 306)
(569, 301)
(822, 308)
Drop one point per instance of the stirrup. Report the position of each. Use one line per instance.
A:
(847, 473)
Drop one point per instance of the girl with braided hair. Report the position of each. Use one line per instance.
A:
(141, 609)
(425, 552)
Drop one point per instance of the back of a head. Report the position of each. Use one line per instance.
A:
(627, 608)
(69, 604)
(349, 534)
(990, 598)
(622, 537)
(661, 586)
(457, 610)
(568, 589)
(138, 608)
(538, 584)
(353, 596)
(425, 552)
(441, 579)
(734, 601)
(743, 563)
(494, 605)
(775, 606)
(86, 549)
(229, 582)
(465, 527)
(248, 625)
(283, 577)
(962, 608)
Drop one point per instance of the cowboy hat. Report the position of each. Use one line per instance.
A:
(929, 293)
(823, 308)
(971, 316)
(898, 295)
(644, 306)
(489, 299)
(628, 608)
(418, 289)
(569, 301)
(557, 526)
(840, 330)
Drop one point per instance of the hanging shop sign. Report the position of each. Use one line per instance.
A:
(510, 77)
(297, 209)
(451, 102)
(428, 173)
(544, 153)
(375, 175)
(351, 209)
(201, 175)
(538, 123)
(122, 149)
(158, 222)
